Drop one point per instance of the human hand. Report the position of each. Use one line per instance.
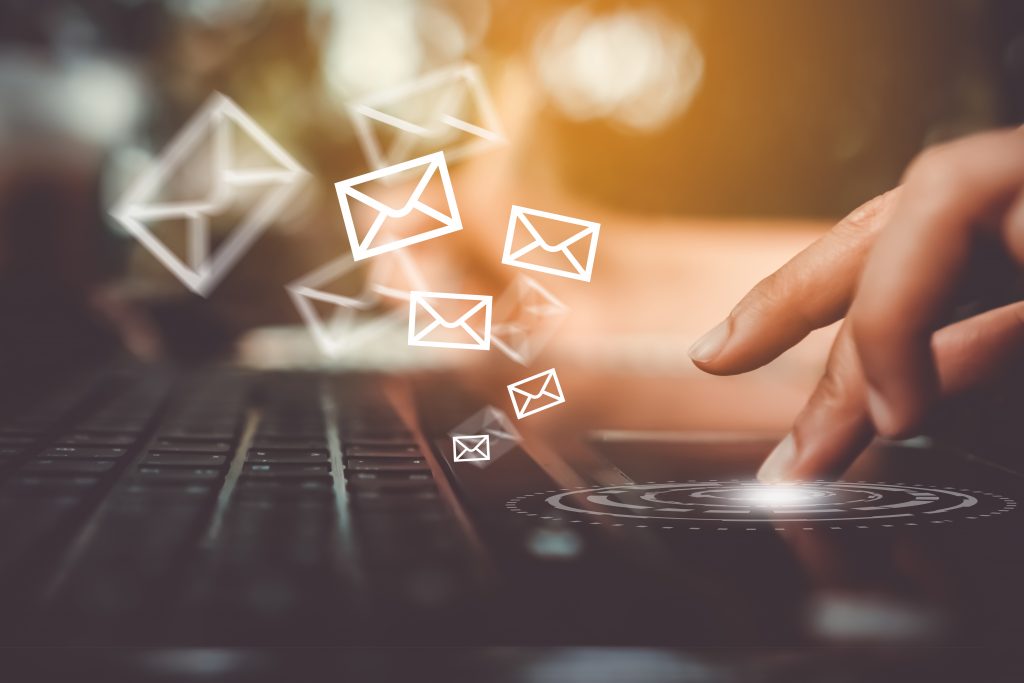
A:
(897, 268)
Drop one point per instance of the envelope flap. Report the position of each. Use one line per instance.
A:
(420, 107)
(399, 206)
(251, 153)
(338, 283)
(447, 320)
(553, 233)
(474, 442)
(534, 387)
(197, 167)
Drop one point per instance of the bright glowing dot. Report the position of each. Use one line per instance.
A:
(775, 495)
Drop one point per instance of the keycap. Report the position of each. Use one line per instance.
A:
(289, 444)
(388, 475)
(382, 452)
(85, 439)
(251, 487)
(196, 434)
(298, 457)
(112, 426)
(385, 465)
(388, 486)
(178, 474)
(61, 466)
(83, 452)
(399, 441)
(192, 446)
(16, 441)
(286, 469)
(173, 459)
(35, 485)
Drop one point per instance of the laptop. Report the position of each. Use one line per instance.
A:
(159, 505)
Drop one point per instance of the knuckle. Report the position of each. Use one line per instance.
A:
(867, 216)
(834, 389)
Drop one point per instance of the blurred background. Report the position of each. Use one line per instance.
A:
(712, 139)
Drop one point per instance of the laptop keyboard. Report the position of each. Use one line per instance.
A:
(226, 505)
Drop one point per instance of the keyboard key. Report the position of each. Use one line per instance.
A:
(362, 475)
(387, 465)
(178, 474)
(267, 469)
(197, 434)
(261, 443)
(16, 441)
(288, 456)
(391, 486)
(383, 452)
(83, 452)
(192, 446)
(34, 485)
(400, 441)
(85, 439)
(62, 466)
(175, 459)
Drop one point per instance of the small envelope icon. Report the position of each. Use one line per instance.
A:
(219, 154)
(496, 425)
(536, 393)
(526, 316)
(355, 318)
(450, 321)
(388, 229)
(472, 448)
(551, 243)
(429, 113)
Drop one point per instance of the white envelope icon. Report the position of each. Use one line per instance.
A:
(355, 319)
(530, 244)
(427, 114)
(471, 448)
(536, 393)
(197, 178)
(502, 435)
(451, 327)
(385, 231)
(526, 316)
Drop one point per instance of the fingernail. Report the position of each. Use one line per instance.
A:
(880, 413)
(776, 466)
(705, 349)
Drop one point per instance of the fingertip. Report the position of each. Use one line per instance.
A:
(776, 467)
(711, 344)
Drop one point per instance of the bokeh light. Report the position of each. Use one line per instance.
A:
(579, 57)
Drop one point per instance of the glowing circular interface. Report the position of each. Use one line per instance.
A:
(727, 504)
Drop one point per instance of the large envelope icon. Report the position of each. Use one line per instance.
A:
(471, 448)
(526, 316)
(536, 393)
(527, 246)
(386, 228)
(450, 321)
(352, 320)
(446, 109)
(196, 179)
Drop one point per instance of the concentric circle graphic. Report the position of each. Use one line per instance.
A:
(738, 504)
